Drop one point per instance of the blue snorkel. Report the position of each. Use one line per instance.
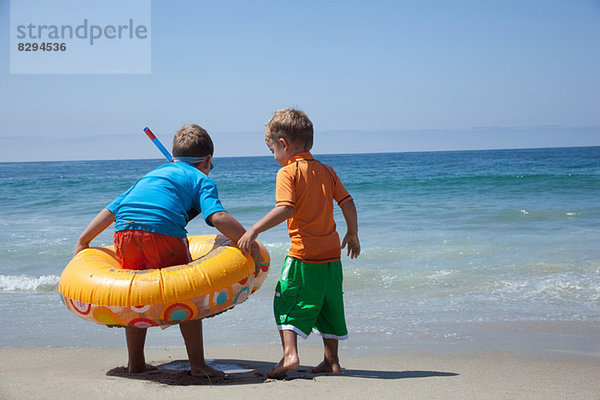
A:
(158, 144)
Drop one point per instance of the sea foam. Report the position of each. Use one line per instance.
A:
(28, 283)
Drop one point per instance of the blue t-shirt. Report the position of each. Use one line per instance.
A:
(164, 200)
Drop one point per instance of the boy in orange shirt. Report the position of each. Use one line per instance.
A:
(308, 295)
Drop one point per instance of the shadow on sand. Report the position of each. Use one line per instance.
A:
(244, 372)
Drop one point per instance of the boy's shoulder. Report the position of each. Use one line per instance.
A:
(295, 167)
(287, 169)
(180, 173)
(178, 168)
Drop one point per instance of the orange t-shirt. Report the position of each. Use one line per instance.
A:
(310, 187)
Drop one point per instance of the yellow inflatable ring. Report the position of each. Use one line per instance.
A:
(95, 287)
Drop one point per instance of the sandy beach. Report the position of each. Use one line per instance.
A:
(83, 373)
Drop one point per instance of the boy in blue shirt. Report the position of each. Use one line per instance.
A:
(150, 219)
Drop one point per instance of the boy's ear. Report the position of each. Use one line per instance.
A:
(284, 142)
(206, 163)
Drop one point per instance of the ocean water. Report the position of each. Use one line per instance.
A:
(473, 249)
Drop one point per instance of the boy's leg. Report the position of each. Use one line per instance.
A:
(192, 335)
(331, 360)
(290, 360)
(141, 250)
(331, 322)
(136, 337)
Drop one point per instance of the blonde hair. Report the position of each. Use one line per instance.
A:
(291, 124)
(192, 141)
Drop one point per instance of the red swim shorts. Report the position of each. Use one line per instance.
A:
(136, 249)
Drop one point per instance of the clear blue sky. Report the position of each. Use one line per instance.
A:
(373, 76)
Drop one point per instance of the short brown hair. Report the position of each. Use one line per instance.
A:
(291, 124)
(192, 141)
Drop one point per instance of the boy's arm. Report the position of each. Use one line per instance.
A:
(351, 238)
(273, 218)
(227, 225)
(98, 224)
(233, 230)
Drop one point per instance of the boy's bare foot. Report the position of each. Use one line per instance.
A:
(205, 371)
(145, 368)
(286, 364)
(327, 367)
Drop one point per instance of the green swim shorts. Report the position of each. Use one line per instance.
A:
(309, 297)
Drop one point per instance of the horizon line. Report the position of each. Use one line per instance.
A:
(320, 154)
(350, 130)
